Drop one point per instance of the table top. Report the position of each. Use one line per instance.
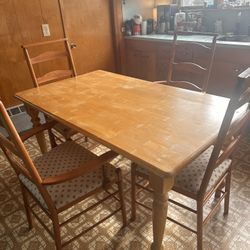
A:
(161, 127)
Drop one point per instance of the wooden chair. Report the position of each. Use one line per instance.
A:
(181, 68)
(60, 178)
(211, 171)
(61, 55)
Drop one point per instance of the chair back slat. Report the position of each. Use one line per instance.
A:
(227, 152)
(191, 67)
(195, 45)
(184, 85)
(49, 56)
(55, 75)
(235, 121)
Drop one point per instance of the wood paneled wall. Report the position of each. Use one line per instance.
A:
(87, 23)
(21, 23)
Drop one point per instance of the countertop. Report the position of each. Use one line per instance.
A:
(194, 38)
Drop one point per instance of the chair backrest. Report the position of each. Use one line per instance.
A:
(188, 67)
(18, 156)
(14, 148)
(235, 121)
(47, 56)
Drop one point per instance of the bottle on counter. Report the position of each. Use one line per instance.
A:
(150, 26)
(162, 25)
(144, 25)
(218, 26)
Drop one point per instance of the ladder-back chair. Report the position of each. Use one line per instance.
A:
(196, 67)
(59, 54)
(210, 172)
(47, 56)
(61, 178)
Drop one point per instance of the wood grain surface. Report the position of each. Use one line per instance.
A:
(88, 24)
(161, 127)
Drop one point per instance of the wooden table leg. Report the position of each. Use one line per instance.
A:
(161, 187)
(33, 113)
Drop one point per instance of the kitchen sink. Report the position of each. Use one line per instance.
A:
(234, 38)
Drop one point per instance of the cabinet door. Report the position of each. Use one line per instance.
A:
(228, 63)
(88, 24)
(223, 78)
(140, 64)
(162, 62)
(184, 53)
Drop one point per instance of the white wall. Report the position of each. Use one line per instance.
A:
(142, 7)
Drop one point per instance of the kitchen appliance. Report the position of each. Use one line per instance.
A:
(179, 21)
(165, 18)
(128, 27)
(150, 26)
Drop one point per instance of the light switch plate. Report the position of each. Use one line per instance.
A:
(45, 29)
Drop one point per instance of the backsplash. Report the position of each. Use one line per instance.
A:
(235, 21)
(141, 7)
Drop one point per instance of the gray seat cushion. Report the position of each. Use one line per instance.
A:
(61, 159)
(190, 178)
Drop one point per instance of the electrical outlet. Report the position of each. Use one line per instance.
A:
(45, 29)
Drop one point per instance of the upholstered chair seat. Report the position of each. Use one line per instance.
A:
(62, 159)
(190, 178)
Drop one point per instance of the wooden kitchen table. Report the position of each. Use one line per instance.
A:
(160, 127)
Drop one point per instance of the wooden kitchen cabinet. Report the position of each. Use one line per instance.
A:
(228, 63)
(223, 78)
(163, 53)
(140, 61)
(141, 64)
(149, 60)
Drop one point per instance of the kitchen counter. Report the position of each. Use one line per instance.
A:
(147, 57)
(194, 38)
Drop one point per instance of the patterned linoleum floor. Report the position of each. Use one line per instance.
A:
(231, 232)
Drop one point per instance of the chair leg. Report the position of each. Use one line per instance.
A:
(217, 192)
(227, 190)
(52, 139)
(133, 192)
(27, 207)
(121, 196)
(199, 225)
(57, 234)
(51, 135)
